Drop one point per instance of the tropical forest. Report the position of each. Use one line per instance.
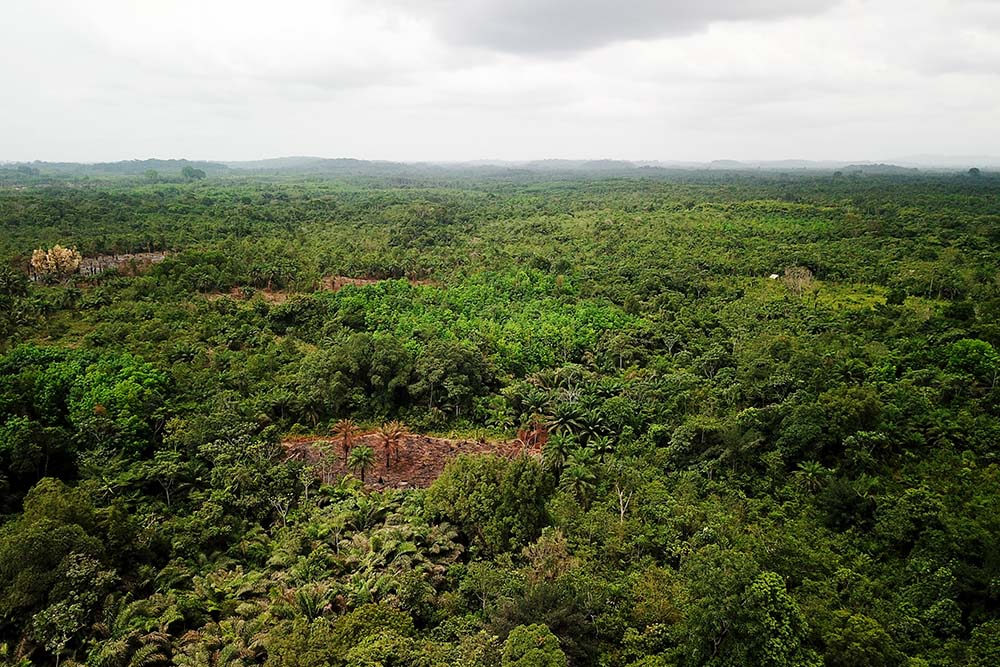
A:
(381, 415)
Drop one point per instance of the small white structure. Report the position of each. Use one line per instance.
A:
(774, 276)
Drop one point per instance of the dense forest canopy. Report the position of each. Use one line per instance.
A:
(760, 415)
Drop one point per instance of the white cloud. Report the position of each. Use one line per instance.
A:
(567, 26)
(228, 79)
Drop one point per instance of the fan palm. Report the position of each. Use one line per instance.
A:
(565, 418)
(582, 456)
(592, 424)
(369, 512)
(229, 643)
(134, 639)
(602, 446)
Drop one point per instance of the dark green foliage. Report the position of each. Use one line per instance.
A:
(303, 643)
(734, 470)
(498, 504)
(532, 646)
(57, 528)
(742, 616)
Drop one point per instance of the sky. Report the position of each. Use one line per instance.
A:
(451, 80)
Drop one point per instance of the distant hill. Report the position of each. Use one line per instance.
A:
(350, 166)
(170, 170)
(335, 167)
(304, 163)
(949, 162)
(125, 167)
(727, 164)
(585, 165)
(880, 169)
(813, 165)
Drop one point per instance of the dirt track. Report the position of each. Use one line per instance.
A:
(421, 457)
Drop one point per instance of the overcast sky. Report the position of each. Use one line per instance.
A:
(91, 80)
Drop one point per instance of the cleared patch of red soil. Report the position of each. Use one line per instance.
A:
(327, 284)
(421, 458)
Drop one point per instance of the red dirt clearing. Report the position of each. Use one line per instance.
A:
(421, 457)
(327, 284)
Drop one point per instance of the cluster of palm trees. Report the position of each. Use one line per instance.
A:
(216, 614)
(570, 450)
(574, 462)
(569, 399)
(569, 413)
(360, 459)
(570, 426)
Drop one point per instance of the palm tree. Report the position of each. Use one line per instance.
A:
(592, 424)
(545, 379)
(570, 375)
(311, 600)
(582, 456)
(346, 431)
(565, 418)
(361, 460)
(601, 445)
(134, 636)
(369, 512)
(579, 480)
(811, 475)
(557, 451)
(233, 642)
(534, 402)
(399, 428)
(390, 434)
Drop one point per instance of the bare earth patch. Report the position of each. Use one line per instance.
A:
(421, 457)
(129, 264)
(327, 284)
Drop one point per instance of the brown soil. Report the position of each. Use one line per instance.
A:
(335, 283)
(327, 284)
(421, 457)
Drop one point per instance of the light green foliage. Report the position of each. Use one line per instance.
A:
(303, 644)
(117, 402)
(855, 640)
(113, 402)
(985, 645)
(73, 601)
(976, 358)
